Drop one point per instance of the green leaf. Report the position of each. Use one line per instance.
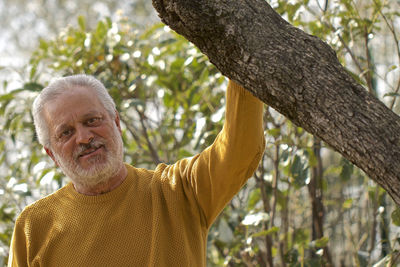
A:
(347, 204)
(299, 171)
(137, 102)
(301, 236)
(101, 30)
(396, 217)
(275, 132)
(312, 159)
(204, 75)
(82, 23)
(322, 242)
(392, 94)
(32, 86)
(347, 170)
(391, 68)
(6, 97)
(254, 198)
(296, 166)
(284, 155)
(291, 256)
(272, 230)
(43, 45)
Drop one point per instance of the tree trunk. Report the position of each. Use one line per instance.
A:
(295, 73)
(315, 189)
(267, 209)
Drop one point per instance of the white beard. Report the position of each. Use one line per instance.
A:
(101, 170)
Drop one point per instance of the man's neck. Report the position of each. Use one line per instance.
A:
(105, 187)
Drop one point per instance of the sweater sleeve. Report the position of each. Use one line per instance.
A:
(219, 172)
(18, 249)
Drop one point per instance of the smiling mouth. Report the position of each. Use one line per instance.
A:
(90, 151)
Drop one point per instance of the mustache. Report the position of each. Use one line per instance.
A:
(93, 144)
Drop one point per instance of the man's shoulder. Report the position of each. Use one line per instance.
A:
(43, 206)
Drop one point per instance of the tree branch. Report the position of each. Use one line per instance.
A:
(295, 73)
(396, 41)
(153, 151)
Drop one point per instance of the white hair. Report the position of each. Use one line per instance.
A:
(55, 89)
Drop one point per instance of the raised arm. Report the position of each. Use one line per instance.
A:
(218, 173)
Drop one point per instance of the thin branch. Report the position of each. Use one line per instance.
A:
(368, 76)
(372, 239)
(325, 8)
(347, 48)
(267, 209)
(131, 130)
(275, 185)
(153, 152)
(394, 259)
(396, 41)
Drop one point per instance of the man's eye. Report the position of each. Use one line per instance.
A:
(65, 133)
(93, 121)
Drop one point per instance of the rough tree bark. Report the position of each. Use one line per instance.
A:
(295, 73)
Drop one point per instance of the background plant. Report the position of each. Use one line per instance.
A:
(305, 205)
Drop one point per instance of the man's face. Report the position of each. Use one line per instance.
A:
(85, 140)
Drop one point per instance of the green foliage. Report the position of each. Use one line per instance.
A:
(299, 171)
(162, 86)
(353, 29)
(396, 217)
(156, 78)
(347, 170)
(171, 104)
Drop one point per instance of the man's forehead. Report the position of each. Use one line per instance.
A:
(73, 104)
(64, 122)
(84, 112)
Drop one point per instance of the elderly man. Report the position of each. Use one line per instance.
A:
(113, 214)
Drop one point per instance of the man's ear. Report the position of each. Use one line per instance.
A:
(118, 122)
(51, 155)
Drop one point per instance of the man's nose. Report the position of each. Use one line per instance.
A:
(83, 135)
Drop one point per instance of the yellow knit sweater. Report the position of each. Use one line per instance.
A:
(155, 217)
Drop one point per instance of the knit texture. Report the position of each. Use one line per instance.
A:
(155, 217)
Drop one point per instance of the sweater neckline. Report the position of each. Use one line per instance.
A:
(113, 195)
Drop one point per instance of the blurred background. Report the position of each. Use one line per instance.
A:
(305, 205)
